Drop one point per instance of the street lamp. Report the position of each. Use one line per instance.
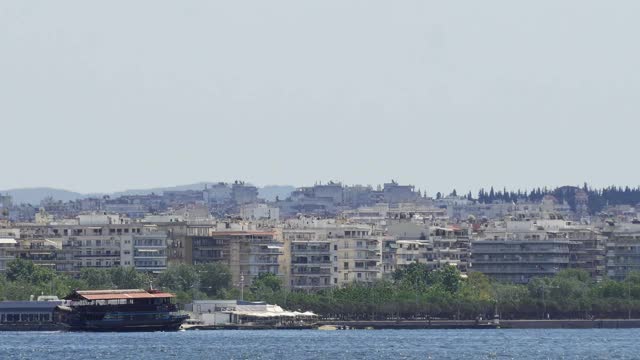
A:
(544, 304)
(628, 298)
(241, 284)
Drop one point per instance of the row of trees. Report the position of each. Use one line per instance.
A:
(417, 292)
(22, 280)
(413, 292)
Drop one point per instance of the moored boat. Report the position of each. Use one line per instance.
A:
(122, 310)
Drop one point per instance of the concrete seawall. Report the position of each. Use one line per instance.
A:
(471, 324)
(571, 324)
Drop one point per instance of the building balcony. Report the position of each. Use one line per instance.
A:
(150, 268)
(150, 246)
(97, 256)
(517, 271)
(514, 261)
(310, 251)
(367, 268)
(310, 287)
(482, 251)
(256, 263)
(294, 263)
(318, 272)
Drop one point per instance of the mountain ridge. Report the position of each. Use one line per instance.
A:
(34, 195)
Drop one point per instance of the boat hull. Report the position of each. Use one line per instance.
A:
(171, 324)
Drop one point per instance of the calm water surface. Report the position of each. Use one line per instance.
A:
(314, 344)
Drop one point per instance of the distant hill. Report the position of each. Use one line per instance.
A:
(35, 195)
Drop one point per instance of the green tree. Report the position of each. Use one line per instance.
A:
(266, 286)
(27, 272)
(180, 277)
(448, 277)
(214, 278)
(128, 278)
(413, 276)
(96, 278)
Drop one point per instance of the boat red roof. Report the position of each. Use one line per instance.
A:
(117, 294)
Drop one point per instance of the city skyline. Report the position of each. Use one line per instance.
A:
(424, 190)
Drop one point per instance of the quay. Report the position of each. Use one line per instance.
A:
(472, 324)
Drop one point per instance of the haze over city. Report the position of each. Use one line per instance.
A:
(440, 95)
(465, 170)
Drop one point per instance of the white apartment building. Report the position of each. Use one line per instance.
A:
(259, 212)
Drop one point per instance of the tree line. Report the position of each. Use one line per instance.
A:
(23, 280)
(413, 292)
(598, 199)
(416, 292)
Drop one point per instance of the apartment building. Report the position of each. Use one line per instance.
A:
(519, 261)
(451, 246)
(6, 254)
(243, 193)
(622, 250)
(259, 212)
(442, 247)
(102, 241)
(248, 253)
(44, 252)
(149, 249)
(307, 264)
(587, 249)
(519, 257)
(356, 252)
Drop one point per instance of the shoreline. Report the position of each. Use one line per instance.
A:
(389, 325)
(438, 325)
(502, 324)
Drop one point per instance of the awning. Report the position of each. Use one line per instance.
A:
(267, 311)
(117, 295)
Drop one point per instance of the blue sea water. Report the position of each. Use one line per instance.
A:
(315, 344)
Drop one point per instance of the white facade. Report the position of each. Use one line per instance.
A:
(101, 219)
(259, 212)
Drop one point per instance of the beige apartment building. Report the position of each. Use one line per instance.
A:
(307, 262)
(356, 254)
(248, 253)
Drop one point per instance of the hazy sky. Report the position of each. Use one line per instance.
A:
(112, 95)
